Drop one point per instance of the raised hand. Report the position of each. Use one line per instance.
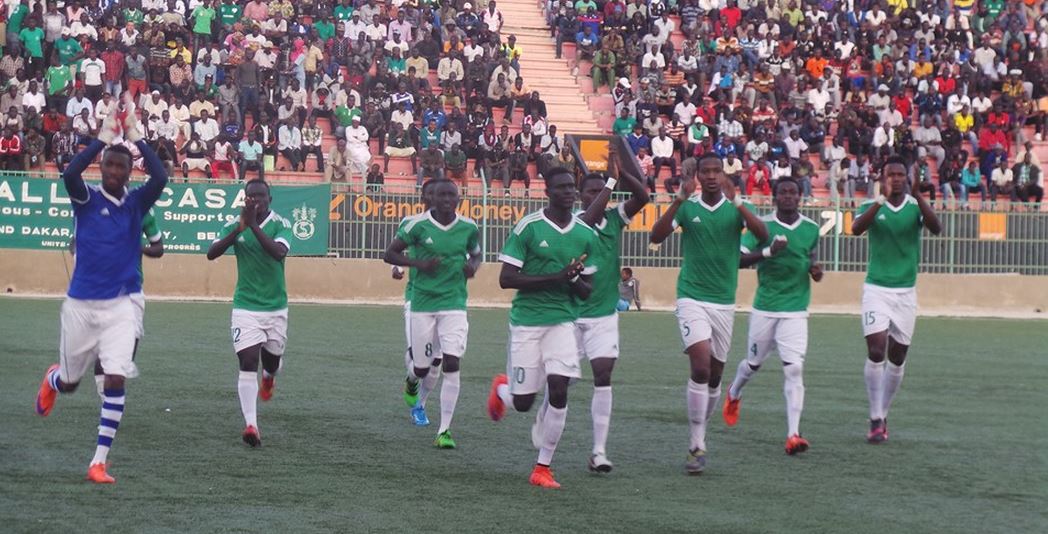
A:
(129, 119)
(778, 244)
(687, 187)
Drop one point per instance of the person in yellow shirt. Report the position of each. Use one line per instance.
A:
(512, 52)
(899, 6)
(965, 123)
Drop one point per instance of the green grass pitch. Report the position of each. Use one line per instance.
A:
(967, 450)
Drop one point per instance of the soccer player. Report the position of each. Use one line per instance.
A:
(779, 320)
(597, 328)
(545, 260)
(711, 224)
(153, 248)
(98, 315)
(441, 241)
(261, 240)
(416, 392)
(889, 297)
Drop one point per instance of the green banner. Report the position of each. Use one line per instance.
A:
(36, 213)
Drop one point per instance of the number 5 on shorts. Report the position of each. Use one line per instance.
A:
(236, 334)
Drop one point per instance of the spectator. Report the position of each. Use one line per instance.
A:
(11, 156)
(222, 160)
(1002, 182)
(662, 152)
(1028, 184)
(290, 144)
(357, 142)
(250, 151)
(629, 290)
(431, 164)
(758, 179)
(971, 180)
(338, 169)
(455, 164)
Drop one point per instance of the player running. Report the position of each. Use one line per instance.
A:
(441, 241)
(416, 392)
(153, 248)
(711, 225)
(98, 315)
(545, 260)
(889, 296)
(597, 328)
(779, 320)
(261, 240)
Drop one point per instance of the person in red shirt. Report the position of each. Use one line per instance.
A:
(758, 179)
(904, 105)
(114, 75)
(947, 84)
(731, 15)
(990, 136)
(11, 150)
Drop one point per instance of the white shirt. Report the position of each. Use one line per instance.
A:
(289, 138)
(662, 148)
(883, 138)
(357, 135)
(956, 102)
(103, 110)
(93, 69)
(74, 107)
(685, 110)
(207, 129)
(1000, 177)
(403, 117)
(733, 168)
(353, 29)
(818, 99)
(794, 147)
(37, 101)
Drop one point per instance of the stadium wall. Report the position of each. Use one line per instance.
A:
(186, 276)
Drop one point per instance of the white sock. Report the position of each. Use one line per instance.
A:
(449, 395)
(892, 380)
(247, 387)
(742, 375)
(553, 427)
(505, 395)
(793, 389)
(429, 383)
(874, 374)
(108, 422)
(600, 409)
(711, 405)
(100, 386)
(698, 400)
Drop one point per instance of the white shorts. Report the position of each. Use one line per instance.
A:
(250, 328)
(538, 351)
(788, 334)
(598, 337)
(196, 164)
(139, 300)
(96, 329)
(699, 321)
(451, 328)
(889, 309)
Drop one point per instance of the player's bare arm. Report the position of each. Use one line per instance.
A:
(749, 259)
(154, 250)
(278, 251)
(815, 271)
(394, 255)
(511, 278)
(664, 226)
(472, 264)
(931, 220)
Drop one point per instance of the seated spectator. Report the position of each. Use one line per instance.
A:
(196, 152)
(250, 155)
(375, 178)
(357, 142)
(11, 156)
(758, 179)
(224, 155)
(662, 153)
(337, 169)
(1002, 182)
(431, 164)
(629, 290)
(455, 164)
(971, 180)
(289, 143)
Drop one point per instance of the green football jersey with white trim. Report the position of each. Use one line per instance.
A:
(260, 277)
(710, 238)
(607, 257)
(445, 288)
(783, 282)
(895, 244)
(539, 247)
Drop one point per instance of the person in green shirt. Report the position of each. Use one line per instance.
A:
(711, 226)
(325, 29)
(134, 15)
(624, 123)
(894, 221)
(445, 254)
(32, 37)
(261, 240)
(344, 11)
(59, 83)
(69, 49)
(229, 13)
(152, 247)
(546, 259)
(597, 327)
(786, 265)
(203, 16)
(16, 16)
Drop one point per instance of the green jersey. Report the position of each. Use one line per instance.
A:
(134, 16)
(895, 244)
(151, 231)
(260, 278)
(539, 247)
(605, 256)
(67, 48)
(57, 78)
(32, 40)
(202, 18)
(14, 20)
(325, 29)
(783, 284)
(342, 12)
(229, 14)
(710, 239)
(410, 253)
(445, 288)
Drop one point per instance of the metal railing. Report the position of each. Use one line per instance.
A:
(364, 219)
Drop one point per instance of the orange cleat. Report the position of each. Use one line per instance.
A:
(97, 474)
(541, 476)
(796, 444)
(251, 437)
(497, 408)
(45, 396)
(731, 409)
(268, 383)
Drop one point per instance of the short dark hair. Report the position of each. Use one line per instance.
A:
(591, 176)
(627, 270)
(119, 149)
(257, 181)
(707, 155)
(895, 160)
(784, 180)
(555, 171)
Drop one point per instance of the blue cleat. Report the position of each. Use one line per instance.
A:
(418, 415)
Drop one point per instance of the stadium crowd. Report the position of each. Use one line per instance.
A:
(779, 87)
(775, 87)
